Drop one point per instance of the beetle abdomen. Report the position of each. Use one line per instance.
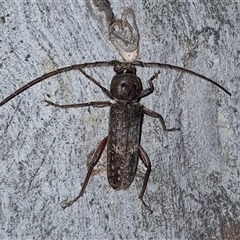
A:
(123, 140)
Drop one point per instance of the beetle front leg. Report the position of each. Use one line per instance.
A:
(149, 90)
(157, 115)
(95, 158)
(145, 159)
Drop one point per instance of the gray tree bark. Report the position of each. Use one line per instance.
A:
(194, 186)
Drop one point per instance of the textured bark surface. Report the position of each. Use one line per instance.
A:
(194, 187)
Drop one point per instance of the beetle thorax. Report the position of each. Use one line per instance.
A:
(126, 87)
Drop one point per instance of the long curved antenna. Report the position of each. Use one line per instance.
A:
(58, 71)
(104, 63)
(165, 65)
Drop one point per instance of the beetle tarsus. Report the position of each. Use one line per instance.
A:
(66, 203)
(145, 205)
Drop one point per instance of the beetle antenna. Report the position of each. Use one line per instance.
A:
(55, 72)
(166, 65)
(105, 63)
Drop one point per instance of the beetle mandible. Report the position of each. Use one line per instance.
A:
(125, 120)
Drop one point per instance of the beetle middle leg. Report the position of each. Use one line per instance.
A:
(153, 114)
(95, 158)
(99, 104)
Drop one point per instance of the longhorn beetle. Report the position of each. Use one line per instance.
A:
(125, 120)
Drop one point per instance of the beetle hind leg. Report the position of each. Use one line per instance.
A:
(95, 158)
(146, 161)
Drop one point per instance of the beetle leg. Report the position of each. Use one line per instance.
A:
(99, 104)
(105, 91)
(145, 159)
(149, 90)
(157, 115)
(95, 158)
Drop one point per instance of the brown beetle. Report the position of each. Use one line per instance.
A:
(125, 121)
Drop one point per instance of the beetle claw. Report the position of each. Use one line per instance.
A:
(146, 206)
